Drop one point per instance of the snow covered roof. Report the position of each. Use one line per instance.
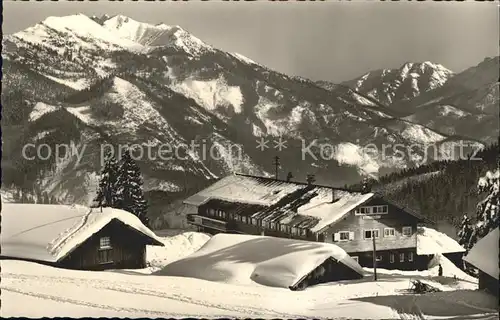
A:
(430, 241)
(49, 232)
(311, 201)
(244, 189)
(245, 259)
(484, 254)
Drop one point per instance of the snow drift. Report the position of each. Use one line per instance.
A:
(48, 233)
(246, 259)
(430, 241)
(175, 248)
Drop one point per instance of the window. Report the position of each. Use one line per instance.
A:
(344, 236)
(402, 257)
(389, 232)
(380, 209)
(245, 219)
(272, 225)
(220, 213)
(105, 252)
(372, 210)
(304, 232)
(105, 256)
(105, 243)
(391, 258)
(368, 234)
(211, 212)
(356, 258)
(283, 228)
(407, 231)
(410, 256)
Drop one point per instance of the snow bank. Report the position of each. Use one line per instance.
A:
(246, 259)
(49, 232)
(484, 254)
(175, 248)
(430, 241)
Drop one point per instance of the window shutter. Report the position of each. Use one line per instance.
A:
(351, 235)
(336, 237)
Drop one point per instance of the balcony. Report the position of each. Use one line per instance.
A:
(201, 221)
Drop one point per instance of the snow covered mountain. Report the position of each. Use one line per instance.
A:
(389, 86)
(87, 81)
(466, 104)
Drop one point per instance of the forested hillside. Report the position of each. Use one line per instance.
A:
(441, 190)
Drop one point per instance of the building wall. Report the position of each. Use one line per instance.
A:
(386, 245)
(357, 245)
(410, 259)
(487, 282)
(128, 250)
(395, 218)
(234, 225)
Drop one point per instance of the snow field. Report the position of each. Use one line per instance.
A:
(52, 292)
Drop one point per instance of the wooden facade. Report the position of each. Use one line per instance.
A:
(394, 229)
(221, 216)
(116, 246)
(330, 270)
(279, 214)
(488, 283)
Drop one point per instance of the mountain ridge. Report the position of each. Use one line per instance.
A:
(107, 88)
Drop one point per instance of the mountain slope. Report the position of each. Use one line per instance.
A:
(466, 105)
(98, 82)
(443, 190)
(390, 86)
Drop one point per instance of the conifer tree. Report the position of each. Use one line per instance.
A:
(108, 187)
(465, 232)
(487, 214)
(130, 194)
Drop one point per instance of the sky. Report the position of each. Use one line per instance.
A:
(333, 41)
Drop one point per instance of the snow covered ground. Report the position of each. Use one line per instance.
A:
(51, 292)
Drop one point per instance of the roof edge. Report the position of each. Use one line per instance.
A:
(298, 182)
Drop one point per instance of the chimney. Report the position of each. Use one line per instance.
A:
(311, 179)
(335, 195)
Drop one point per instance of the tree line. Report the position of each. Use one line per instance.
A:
(441, 190)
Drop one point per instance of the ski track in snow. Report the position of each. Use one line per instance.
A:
(129, 288)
